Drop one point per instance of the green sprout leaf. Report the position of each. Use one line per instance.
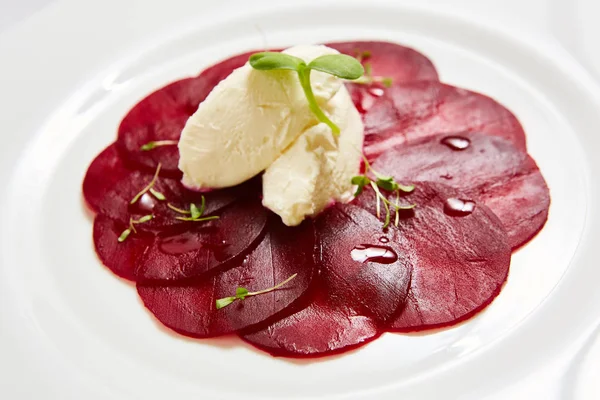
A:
(406, 188)
(241, 293)
(224, 302)
(124, 235)
(360, 181)
(194, 211)
(158, 143)
(145, 218)
(340, 65)
(269, 60)
(387, 183)
(157, 194)
(132, 223)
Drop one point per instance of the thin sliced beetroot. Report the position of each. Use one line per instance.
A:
(186, 252)
(109, 186)
(459, 262)
(190, 309)
(352, 299)
(418, 110)
(163, 114)
(384, 59)
(491, 169)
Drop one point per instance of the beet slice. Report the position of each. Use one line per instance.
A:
(420, 109)
(163, 114)
(460, 260)
(363, 284)
(489, 168)
(189, 251)
(109, 186)
(190, 309)
(384, 59)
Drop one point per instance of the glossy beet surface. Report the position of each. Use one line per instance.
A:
(477, 194)
(353, 299)
(190, 308)
(407, 113)
(460, 261)
(484, 167)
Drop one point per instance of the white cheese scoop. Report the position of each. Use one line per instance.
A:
(248, 120)
(256, 121)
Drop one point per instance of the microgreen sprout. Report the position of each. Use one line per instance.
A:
(387, 183)
(150, 188)
(195, 213)
(158, 143)
(339, 65)
(131, 229)
(368, 78)
(241, 293)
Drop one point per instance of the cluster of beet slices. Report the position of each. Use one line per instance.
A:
(478, 194)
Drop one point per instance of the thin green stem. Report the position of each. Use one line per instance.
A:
(272, 288)
(304, 77)
(213, 217)
(178, 210)
(151, 145)
(148, 187)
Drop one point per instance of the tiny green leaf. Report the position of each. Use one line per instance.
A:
(145, 218)
(148, 146)
(361, 181)
(406, 188)
(194, 211)
(340, 65)
(224, 302)
(241, 293)
(152, 145)
(387, 183)
(271, 60)
(408, 207)
(202, 206)
(124, 235)
(368, 69)
(387, 82)
(157, 194)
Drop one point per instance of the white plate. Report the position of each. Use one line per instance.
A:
(69, 329)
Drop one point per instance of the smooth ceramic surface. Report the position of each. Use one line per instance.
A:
(76, 331)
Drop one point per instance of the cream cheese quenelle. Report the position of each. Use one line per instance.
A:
(255, 121)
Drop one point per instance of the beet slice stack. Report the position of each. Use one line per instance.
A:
(483, 167)
(352, 280)
(460, 260)
(190, 308)
(362, 285)
(453, 266)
